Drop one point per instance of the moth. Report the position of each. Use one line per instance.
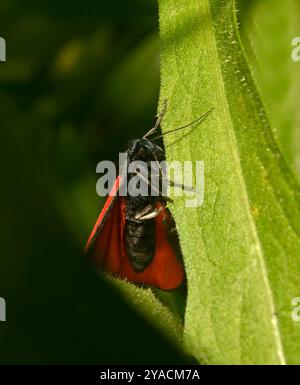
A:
(135, 237)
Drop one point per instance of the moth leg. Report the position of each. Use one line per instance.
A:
(160, 197)
(147, 181)
(151, 215)
(158, 120)
(175, 184)
(165, 199)
(182, 186)
(146, 210)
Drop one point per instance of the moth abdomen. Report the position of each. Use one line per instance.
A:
(140, 243)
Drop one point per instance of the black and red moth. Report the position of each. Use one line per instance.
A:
(133, 237)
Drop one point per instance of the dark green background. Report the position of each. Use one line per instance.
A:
(81, 78)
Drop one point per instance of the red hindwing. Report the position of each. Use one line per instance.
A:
(106, 247)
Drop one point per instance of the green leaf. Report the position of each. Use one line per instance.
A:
(268, 46)
(150, 307)
(241, 247)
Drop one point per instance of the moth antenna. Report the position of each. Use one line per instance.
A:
(159, 119)
(187, 125)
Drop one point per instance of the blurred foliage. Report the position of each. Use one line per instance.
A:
(267, 29)
(81, 78)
